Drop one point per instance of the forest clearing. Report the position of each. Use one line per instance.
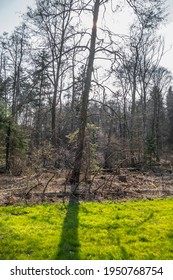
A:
(113, 216)
(88, 231)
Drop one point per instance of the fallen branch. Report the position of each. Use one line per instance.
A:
(34, 187)
(50, 179)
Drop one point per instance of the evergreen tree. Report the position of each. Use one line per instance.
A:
(170, 116)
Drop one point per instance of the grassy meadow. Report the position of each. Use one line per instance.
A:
(88, 231)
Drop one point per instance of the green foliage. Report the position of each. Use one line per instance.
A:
(170, 115)
(17, 140)
(150, 149)
(4, 119)
(91, 146)
(72, 137)
(150, 146)
(3, 112)
(4, 116)
(18, 149)
(129, 230)
(40, 155)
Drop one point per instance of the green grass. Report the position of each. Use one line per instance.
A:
(128, 230)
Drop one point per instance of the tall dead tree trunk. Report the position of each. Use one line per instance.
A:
(74, 180)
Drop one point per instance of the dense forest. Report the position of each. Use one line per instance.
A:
(77, 96)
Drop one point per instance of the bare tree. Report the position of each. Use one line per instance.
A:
(54, 24)
(84, 102)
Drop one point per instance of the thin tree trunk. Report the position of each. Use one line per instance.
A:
(133, 109)
(57, 77)
(74, 180)
(73, 91)
(54, 103)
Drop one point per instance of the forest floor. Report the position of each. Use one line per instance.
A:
(51, 185)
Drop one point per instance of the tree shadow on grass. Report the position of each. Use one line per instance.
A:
(68, 248)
